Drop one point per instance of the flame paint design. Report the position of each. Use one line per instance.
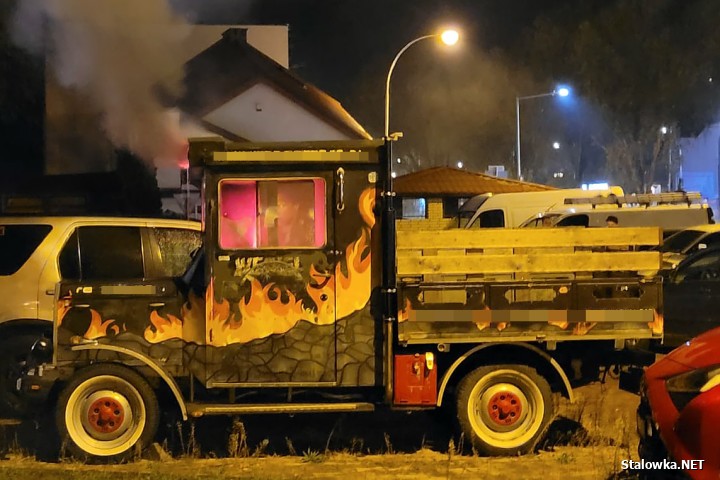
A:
(657, 324)
(164, 328)
(62, 309)
(268, 310)
(583, 328)
(366, 206)
(404, 314)
(99, 327)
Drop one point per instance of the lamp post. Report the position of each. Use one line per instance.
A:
(560, 91)
(448, 37)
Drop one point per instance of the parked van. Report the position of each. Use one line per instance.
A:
(671, 212)
(510, 210)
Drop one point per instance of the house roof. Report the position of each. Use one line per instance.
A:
(231, 66)
(447, 181)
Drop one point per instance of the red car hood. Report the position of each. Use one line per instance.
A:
(701, 351)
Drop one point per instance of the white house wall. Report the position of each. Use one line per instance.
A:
(262, 114)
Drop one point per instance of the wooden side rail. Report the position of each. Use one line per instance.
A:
(541, 251)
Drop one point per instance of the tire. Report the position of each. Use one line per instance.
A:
(504, 409)
(107, 413)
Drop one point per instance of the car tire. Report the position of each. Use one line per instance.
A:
(504, 409)
(107, 413)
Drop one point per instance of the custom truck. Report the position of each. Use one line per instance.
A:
(303, 300)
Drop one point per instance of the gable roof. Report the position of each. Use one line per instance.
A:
(231, 66)
(448, 181)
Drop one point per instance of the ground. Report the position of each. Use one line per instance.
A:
(588, 441)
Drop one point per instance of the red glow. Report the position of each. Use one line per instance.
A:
(184, 152)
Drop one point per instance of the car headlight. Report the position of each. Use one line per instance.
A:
(686, 386)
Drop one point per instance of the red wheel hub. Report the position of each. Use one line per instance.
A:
(106, 415)
(505, 408)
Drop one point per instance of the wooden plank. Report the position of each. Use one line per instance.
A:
(545, 263)
(529, 237)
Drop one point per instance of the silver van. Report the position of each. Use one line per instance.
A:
(671, 218)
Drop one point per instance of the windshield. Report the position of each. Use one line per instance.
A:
(681, 241)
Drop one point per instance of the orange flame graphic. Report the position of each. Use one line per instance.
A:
(404, 314)
(657, 324)
(99, 328)
(583, 327)
(165, 328)
(63, 307)
(367, 205)
(268, 310)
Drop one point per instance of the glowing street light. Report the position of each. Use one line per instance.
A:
(459, 164)
(560, 91)
(556, 145)
(448, 37)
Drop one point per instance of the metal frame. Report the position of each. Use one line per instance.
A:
(449, 372)
(174, 388)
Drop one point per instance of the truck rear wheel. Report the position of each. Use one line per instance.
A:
(108, 413)
(504, 409)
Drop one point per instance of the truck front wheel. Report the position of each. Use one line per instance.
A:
(108, 413)
(504, 409)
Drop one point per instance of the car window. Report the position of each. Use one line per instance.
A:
(704, 268)
(574, 221)
(69, 259)
(17, 243)
(492, 219)
(272, 213)
(176, 247)
(710, 240)
(681, 241)
(102, 253)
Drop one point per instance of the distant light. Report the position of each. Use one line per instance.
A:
(558, 175)
(393, 174)
(663, 129)
(556, 145)
(450, 37)
(460, 164)
(595, 186)
(399, 160)
(562, 91)
(710, 79)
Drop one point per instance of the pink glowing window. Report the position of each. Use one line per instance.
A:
(272, 213)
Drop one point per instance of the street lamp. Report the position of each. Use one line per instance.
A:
(448, 37)
(560, 91)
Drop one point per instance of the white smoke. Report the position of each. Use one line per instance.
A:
(120, 54)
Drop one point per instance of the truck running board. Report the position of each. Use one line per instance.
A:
(199, 409)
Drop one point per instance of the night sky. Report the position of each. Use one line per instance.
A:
(459, 106)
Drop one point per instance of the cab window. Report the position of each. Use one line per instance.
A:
(102, 253)
(492, 219)
(287, 213)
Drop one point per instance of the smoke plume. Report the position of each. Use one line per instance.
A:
(120, 54)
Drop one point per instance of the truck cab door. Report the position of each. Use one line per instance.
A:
(271, 299)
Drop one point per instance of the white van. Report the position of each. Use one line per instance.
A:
(510, 210)
(671, 217)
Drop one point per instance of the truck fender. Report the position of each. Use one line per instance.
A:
(167, 378)
(448, 374)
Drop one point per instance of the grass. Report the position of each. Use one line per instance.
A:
(591, 445)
